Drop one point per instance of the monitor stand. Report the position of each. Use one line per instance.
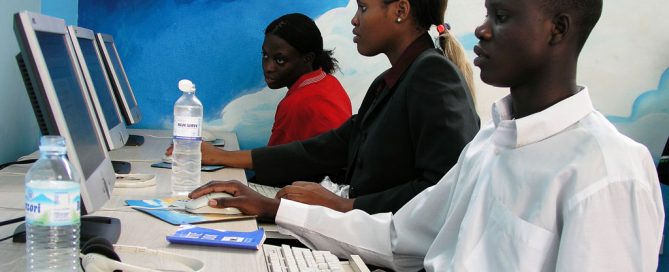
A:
(108, 228)
(121, 167)
(134, 140)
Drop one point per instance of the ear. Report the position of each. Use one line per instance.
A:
(561, 28)
(309, 58)
(402, 11)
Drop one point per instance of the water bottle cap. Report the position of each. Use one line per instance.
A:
(52, 144)
(186, 86)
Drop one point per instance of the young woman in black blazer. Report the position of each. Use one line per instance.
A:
(413, 123)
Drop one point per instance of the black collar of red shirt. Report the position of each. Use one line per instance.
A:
(422, 43)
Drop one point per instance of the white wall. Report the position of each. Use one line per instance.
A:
(19, 134)
(625, 65)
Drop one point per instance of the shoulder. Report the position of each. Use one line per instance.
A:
(434, 66)
(604, 159)
(432, 72)
(327, 88)
(620, 154)
(331, 82)
(433, 58)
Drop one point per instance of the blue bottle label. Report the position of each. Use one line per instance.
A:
(50, 203)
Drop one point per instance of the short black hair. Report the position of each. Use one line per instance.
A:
(587, 13)
(301, 32)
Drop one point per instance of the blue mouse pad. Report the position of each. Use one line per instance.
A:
(168, 210)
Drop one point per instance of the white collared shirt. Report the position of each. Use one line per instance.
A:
(558, 190)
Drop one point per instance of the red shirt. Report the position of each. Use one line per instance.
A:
(314, 104)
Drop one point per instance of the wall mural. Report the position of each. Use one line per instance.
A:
(217, 44)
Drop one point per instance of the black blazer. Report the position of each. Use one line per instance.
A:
(402, 140)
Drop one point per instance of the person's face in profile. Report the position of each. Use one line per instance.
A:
(513, 42)
(370, 27)
(282, 64)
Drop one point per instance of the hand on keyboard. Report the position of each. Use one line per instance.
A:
(314, 194)
(267, 191)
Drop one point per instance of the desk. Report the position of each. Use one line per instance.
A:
(140, 229)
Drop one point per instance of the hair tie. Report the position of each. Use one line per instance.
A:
(443, 28)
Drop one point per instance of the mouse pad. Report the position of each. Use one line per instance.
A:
(171, 210)
(205, 168)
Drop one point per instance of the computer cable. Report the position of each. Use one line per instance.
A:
(12, 236)
(2, 166)
(99, 255)
(12, 221)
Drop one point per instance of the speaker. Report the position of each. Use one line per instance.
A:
(99, 255)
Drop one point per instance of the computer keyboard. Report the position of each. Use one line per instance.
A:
(267, 191)
(285, 258)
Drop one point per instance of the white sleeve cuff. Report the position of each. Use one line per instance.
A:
(291, 213)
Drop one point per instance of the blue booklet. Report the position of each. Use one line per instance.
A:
(189, 234)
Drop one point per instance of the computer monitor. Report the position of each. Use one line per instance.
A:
(663, 165)
(119, 79)
(98, 86)
(57, 91)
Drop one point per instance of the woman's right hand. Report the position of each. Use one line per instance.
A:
(211, 155)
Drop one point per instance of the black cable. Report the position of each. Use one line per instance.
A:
(12, 236)
(11, 221)
(2, 166)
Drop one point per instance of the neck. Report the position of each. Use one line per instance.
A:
(403, 41)
(542, 93)
(306, 70)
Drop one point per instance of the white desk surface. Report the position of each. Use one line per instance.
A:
(139, 229)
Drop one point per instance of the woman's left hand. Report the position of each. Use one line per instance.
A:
(315, 194)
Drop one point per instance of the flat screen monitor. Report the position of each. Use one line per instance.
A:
(57, 91)
(98, 86)
(124, 94)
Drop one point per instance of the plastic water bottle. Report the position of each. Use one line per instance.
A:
(52, 210)
(186, 155)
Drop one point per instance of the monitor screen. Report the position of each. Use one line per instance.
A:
(71, 100)
(57, 91)
(120, 83)
(98, 78)
(99, 87)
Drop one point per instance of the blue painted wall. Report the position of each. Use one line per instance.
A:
(216, 44)
(64, 9)
(19, 135)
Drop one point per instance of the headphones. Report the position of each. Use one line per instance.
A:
(99, 255)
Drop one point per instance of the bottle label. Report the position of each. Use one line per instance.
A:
(50, 203)
(187, 128)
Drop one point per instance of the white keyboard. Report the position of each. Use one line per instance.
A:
(267, 191)
(294, 259)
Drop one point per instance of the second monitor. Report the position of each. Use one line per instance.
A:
(99, 87)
